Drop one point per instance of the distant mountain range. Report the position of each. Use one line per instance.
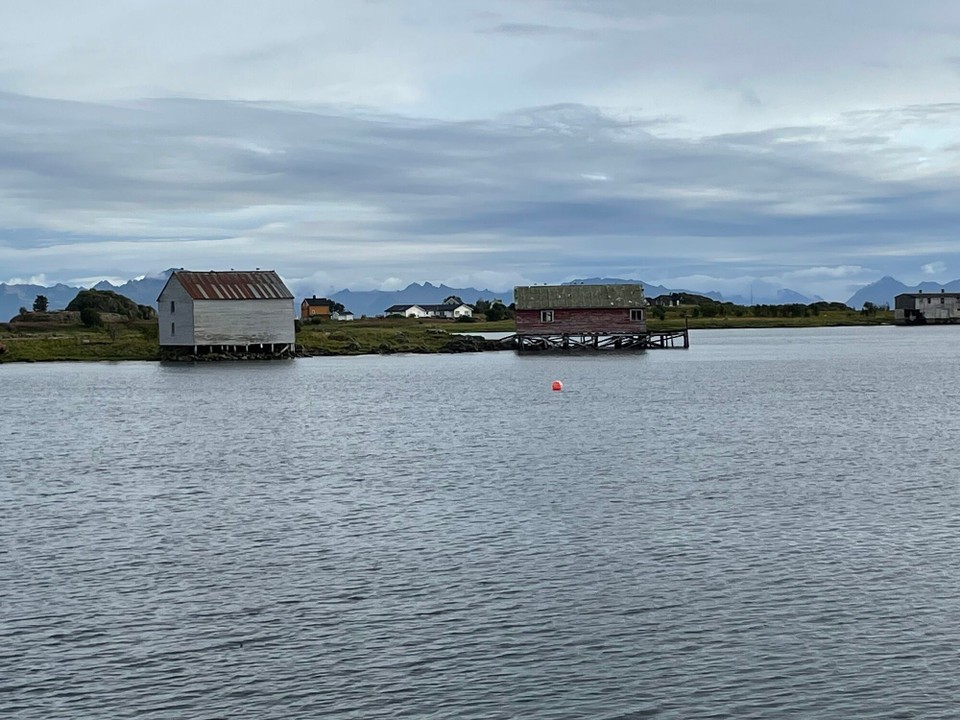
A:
(144, 291)
(764, 293)
(884, 290)
(14, 297)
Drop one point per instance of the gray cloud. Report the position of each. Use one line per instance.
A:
(536, 29)
(359, 142)
(548, 192)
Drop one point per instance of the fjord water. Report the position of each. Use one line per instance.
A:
(765, 525)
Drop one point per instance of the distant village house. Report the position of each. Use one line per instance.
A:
(314, 307)
(223, 311)
(451, 308)
(920, 308)
(670, 300)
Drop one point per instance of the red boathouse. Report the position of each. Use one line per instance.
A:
(566, 317)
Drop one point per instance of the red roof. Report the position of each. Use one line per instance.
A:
(215, 285)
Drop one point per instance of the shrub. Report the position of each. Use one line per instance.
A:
(107, 301)
(90, 317)
(297, 325)
(147, 312)
(498, 311)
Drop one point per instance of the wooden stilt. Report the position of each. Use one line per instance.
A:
(595, 342)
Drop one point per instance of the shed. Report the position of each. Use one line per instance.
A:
(920, 308)
(616, 309)
(220, 310)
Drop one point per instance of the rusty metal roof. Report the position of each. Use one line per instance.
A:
(233, 285)
(540, 297)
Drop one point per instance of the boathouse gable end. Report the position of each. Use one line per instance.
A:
(175, 315)
(580, 309)
(219, 309)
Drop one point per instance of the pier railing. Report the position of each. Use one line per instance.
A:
(552, 342)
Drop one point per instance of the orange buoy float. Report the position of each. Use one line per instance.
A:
(556, 386)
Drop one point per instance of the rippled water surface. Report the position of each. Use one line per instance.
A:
(764, 526)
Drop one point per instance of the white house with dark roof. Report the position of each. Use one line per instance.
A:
(420, 310)
(248, 310)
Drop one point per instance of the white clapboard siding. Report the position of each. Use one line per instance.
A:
(243, 322)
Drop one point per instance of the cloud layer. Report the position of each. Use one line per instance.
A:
(369, 144)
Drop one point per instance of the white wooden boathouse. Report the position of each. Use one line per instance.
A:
(229, 311)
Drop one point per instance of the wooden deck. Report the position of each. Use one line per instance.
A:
(587, 342)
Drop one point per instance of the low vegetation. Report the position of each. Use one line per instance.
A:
(107, 301)
(386, 336)
(699, 312)
(97, 331)
(45, 341)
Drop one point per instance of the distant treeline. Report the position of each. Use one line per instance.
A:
(706, 307)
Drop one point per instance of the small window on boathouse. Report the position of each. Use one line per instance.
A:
(546, 316)
(173, 328)
(173, 306)
(636, 315)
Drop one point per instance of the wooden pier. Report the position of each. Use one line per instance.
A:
(587, 342)
(586, 318)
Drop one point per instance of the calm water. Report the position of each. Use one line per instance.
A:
(766, 525)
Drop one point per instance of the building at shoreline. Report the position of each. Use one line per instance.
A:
(216, 311)
(590, 309)
(587, 317)
(922, 308)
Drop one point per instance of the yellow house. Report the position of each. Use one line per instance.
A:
(315, 308)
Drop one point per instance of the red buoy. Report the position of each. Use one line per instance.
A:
(557, 386)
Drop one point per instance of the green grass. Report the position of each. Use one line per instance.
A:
(40, 342)
(33, 343)
(363, 339)
(451, 326)
(824, 319)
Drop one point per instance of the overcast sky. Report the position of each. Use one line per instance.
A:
(369, 144)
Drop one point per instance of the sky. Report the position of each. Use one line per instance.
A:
(373, 143)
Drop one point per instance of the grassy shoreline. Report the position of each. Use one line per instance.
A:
(44, 342)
